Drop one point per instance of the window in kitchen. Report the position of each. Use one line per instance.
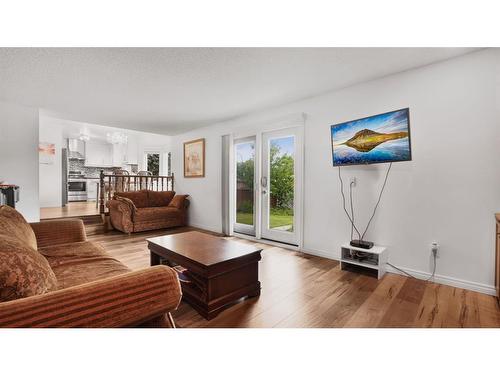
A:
(153, 163)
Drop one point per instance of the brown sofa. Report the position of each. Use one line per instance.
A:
(51, 276)
(144, 210)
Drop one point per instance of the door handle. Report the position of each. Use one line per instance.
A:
(263, 181)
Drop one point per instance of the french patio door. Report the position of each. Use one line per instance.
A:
(281, 185)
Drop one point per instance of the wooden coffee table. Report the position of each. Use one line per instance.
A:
(221, 271)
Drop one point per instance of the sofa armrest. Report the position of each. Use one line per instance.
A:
(120, 301)
(127, 201)
(122, 205)
(180, 201)
(56, 232)
(121, 214)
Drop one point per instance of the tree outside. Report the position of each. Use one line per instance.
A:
(245, 173)
(281, 185)
(282, 182)
(154, 164)
(245, 153)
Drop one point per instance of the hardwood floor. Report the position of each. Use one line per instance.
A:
(299, 290)
(71, 209)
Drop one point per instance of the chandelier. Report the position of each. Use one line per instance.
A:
(117, 138)
(84, 135)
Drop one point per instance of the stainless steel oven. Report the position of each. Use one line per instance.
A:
(77, 187)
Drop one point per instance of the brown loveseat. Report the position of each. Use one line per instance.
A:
(143, 210)
(51, 276)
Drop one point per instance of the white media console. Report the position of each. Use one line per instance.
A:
(372, 261)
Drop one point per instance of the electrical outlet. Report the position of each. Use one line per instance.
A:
(435, 248)
(352, 181)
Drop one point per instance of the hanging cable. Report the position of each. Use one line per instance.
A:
(378, 201)
(352, 208)
(344, 205)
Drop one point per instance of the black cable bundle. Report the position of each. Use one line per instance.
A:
(351, 216)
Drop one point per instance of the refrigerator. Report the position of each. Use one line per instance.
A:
(65, 167)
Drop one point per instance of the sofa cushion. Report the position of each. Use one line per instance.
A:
(24, 272)
(81, 262)
(180, 201)
(160, 198)
(140, 198)
(13, 224)
(156, 214)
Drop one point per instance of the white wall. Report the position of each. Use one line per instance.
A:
(448, 193)
(50, 184)
(19, 154)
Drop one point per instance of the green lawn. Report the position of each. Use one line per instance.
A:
(244, 218)
(278, 218)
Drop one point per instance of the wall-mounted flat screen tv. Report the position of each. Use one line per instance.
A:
(382, 138)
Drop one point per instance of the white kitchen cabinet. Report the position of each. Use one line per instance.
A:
(98, 154)
(132, 149)
(119, 155)
(92, 189)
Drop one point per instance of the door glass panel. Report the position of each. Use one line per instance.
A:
(245, 161)
(281, 183)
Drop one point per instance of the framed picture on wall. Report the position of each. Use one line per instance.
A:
(194, 158)
(46, 152)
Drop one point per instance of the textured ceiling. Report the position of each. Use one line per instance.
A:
(171, 90)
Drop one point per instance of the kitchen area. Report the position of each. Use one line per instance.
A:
(69, 174)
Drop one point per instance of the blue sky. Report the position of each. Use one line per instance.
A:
(387, 123)
(285, 145)
(245, 151)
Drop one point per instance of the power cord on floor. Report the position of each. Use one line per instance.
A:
(434, 256)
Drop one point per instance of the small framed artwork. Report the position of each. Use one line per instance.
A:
(194, 158)
(46, 152)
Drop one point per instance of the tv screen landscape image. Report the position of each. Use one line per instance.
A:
(381, 138)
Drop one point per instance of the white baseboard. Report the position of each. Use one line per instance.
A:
(440, 279)
(447, 280)
(320, 253)
(206, 227)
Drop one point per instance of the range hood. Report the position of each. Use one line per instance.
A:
(76, 149)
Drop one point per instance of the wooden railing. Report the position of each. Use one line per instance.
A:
(111, 183)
